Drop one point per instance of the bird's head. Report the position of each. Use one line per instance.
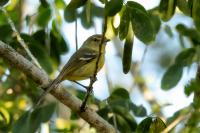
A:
(94, 41)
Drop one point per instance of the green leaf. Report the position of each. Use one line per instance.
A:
(40, 36)
(43, 113)
(183, 6)
(167, 9)
(157, 125)
(168, 31)
(119, 98)
(192, 86)
(186, 57)
(124, 119)
(86, 16)
(22, 124)
(155, 21)
(43, 16)
(141, 22)
(128, 47)
(195, 13)
(57, 38)
(58, 46)
(29, 122)
(119, 93)
(5, 33)
(74, 4)
(39, 52)
(171, 77)
(124, 24)
(60, 4)
(191, 33)
(44, 3)
(122, 124)
(3, 2)
(139, 111)
(104, 112)
(97, 11)
(69, 14)
(136, 7)
(112, 7)
(151, 125)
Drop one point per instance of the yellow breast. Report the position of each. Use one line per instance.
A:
(86, 71)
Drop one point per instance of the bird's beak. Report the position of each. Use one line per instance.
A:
(106, 40)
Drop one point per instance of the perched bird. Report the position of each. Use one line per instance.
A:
(82, 63)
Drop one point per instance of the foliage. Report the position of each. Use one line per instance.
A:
(18, 93)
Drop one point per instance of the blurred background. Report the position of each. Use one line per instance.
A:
(52, 33)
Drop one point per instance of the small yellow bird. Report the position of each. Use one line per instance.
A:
(82, 63)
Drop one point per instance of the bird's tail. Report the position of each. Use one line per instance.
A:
(51, 86)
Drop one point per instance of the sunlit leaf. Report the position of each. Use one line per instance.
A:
(151, 125)
(112, 7)
(4, 117)
(43, 16)
(171, 77)
(60, 4)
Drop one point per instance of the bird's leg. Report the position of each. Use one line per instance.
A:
(86, 87)
(89, 91)
(43, 94)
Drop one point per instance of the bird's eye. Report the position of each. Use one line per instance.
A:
(95, 39)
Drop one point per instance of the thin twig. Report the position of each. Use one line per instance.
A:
(144, 54)
(175, 122)
(19, 38)
(76, 37)
(93, 79)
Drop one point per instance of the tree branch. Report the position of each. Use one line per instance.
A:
(42, 79)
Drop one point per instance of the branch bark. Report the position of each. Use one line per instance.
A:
(41, 78)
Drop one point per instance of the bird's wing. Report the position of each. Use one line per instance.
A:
(79, 58)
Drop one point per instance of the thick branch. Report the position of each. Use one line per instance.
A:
(42, 79)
